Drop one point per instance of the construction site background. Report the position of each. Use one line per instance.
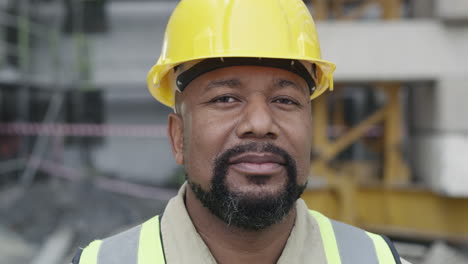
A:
(83, 146)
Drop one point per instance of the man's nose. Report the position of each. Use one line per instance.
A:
(257, 120)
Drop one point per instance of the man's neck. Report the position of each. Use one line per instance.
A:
(229, 244)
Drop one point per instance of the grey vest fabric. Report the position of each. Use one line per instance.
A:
(121, 248)
(355, 246)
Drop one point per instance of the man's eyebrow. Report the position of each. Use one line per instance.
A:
(231, 83)
(282, 83)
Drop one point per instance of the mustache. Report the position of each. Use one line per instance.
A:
(222, 161)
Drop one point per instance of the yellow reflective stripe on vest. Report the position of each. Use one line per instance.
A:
(90, 253)
(328, 238)
(384, 254)
(151, 248)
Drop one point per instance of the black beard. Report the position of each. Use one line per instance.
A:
(247, 211)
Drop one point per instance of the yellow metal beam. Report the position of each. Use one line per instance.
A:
(353, 134)
(390, 9)
(320, 9)
(395, 169)
(320, 124)
(405, 212)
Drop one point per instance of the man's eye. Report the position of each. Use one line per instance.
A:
(224, 99)
(286, 101)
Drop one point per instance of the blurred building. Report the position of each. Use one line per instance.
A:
(97, 62)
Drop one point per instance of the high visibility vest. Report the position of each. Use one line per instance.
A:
(343, 244)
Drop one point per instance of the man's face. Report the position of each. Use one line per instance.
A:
(244, 136)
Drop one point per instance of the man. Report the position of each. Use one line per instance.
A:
(240, 75)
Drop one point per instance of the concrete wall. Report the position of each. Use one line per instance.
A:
(452, 10)
(125, 54)
(122, 58)
(441, 136)
(140, 159)
(407, 50)
(441, 159)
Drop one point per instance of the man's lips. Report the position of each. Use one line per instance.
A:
(257, 163)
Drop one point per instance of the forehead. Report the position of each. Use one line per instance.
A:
(239, 76)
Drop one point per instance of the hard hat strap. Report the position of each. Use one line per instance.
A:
(212, 64)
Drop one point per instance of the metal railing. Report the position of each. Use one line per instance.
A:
(19, 20)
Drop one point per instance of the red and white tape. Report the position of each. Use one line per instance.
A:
(83, 130)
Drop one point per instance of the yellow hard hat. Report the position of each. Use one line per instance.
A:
(202, 29)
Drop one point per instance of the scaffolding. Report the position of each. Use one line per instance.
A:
(377, 195)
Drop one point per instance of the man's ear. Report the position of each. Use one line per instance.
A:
(175, 131)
